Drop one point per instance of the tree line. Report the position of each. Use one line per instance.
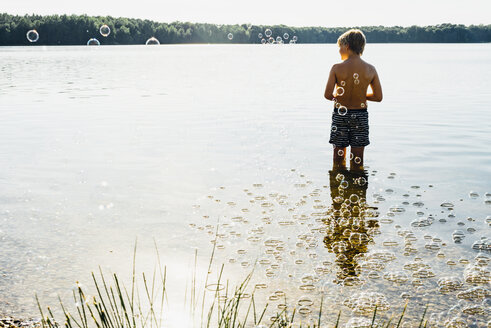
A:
(78, 29)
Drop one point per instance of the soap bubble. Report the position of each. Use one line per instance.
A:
(263, 41)
(357, 160)
(260, 35)
(337, 105)
(340, 152)
(473, 194)
(356, 81)
(334, 128)
(104, 30)
(230, 36)
(343, 83)
(355, 76)
(93, 42)
(268, 32)
(340, 91)
(362, 105)
(354, 198)
(279, 39)
(447, 204)
(270, 40)
(32, 36)
(342, 110)
(458, 236)
(338, 199)
(152, 41)
(355, 238)
(295, 38)
(285, 36)
(305, 301)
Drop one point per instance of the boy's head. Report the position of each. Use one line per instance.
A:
(354, 39)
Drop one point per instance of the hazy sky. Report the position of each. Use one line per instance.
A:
(296, 13)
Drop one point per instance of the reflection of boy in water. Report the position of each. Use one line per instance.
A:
(350, 222)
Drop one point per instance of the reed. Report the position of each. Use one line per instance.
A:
(114, 307)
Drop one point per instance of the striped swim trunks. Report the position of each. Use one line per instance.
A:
(350, 129)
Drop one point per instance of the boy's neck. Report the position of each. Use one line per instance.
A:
(353, 56)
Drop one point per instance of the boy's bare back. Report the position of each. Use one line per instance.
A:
(355, 75)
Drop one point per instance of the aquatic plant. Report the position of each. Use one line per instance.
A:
(115, 307)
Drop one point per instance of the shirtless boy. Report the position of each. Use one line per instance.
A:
(347, 86)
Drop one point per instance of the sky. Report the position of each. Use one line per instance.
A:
(268, 12)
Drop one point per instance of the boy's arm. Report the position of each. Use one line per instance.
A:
(376, 94)
(331, 81)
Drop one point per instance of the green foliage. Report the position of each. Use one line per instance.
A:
(78, 29)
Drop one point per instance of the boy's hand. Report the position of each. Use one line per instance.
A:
(376, 94)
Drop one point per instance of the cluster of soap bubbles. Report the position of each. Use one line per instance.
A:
(268, 38)
(348, 227)
(340, 153)
(104, 30)
(355, 77)
(482, 245)
(476, 274)
(364, 303)
(449, 284)
(342, 110)
(422, 222)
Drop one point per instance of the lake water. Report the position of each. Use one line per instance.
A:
(103, 145)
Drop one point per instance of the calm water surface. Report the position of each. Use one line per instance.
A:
(100, 146)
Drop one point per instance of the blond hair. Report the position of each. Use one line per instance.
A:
(354, 39)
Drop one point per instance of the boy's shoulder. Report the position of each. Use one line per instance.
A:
(370, 66)
(343, 67)
(344, 63)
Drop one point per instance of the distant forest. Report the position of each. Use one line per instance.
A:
(78, 29)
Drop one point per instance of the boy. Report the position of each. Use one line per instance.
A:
(347, 87)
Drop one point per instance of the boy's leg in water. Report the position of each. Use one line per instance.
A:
(339, 157)
(357, 160)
